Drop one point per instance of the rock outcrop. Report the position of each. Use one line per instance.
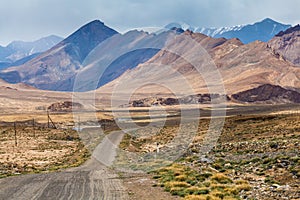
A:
(268, 94)
(66, 106)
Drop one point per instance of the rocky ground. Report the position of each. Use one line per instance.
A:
(257, 155)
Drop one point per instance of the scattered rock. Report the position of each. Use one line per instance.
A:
(227, 165)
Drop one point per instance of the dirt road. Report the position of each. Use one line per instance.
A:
(93, 180)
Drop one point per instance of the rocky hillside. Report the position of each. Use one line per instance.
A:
(223, 63)
(18, 52)
(118, 54)
(268, 94)
(286, 45)
(23, 49)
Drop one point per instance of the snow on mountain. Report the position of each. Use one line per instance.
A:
(263, 30)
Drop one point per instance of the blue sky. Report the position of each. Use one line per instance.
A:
(31, 19)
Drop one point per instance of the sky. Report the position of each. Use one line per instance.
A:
(30, 20)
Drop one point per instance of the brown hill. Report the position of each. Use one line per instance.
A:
(18, 86)
(2, 81)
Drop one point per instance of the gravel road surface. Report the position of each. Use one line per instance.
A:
(93, 180)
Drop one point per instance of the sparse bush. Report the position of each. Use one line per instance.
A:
(178, 191)
(192, 190)
(195, 197)
(202, 191)
(273, 145)
(244, 186)
(175, 184)
(230, 198)
(221, 178)
(240, 181)
(180, 178)
(206, 184)
(192, 182)
(219, 187)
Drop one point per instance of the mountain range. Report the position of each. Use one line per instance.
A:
(96, 56)
(286, 44)
(18, 52)
(54, 67)
(242, 67)
(263, 30)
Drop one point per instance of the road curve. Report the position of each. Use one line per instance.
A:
(93, 180)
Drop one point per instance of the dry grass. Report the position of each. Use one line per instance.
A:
(38, 150)
(193, 184)
(221, 178)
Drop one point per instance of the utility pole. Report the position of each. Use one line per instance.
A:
(48, 119)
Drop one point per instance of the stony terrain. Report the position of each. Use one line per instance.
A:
(256, 157)
(286, 45)
(230, 64)
(268, 94)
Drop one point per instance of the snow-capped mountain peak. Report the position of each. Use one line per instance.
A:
(263, 30)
